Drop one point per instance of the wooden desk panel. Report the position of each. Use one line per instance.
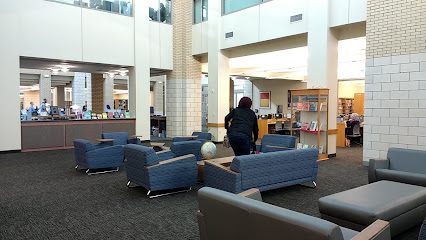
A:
(265, 123)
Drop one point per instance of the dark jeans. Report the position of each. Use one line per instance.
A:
(240, 143)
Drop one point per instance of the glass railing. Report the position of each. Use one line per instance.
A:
(160, 11)
(230, 6)
(123, 7)
(200, 10)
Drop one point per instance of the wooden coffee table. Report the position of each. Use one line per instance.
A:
(225, 161)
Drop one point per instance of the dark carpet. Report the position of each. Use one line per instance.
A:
(43, 197)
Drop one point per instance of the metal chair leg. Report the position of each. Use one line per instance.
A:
(164, 194)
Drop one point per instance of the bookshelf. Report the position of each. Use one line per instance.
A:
(345, 106)
(310, 114)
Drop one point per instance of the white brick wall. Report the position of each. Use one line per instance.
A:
(78, 91)
(395, 104)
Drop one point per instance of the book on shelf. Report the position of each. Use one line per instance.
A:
(87, 115)
(104, 115)
(110, 115)
(321, 149)
(323, 106)
(313, 126)
(306, 106)
(99, 116)
(299, 106)
(305, 146)
(313, 106)
(299, 146)
(127, 114)
(305, 126)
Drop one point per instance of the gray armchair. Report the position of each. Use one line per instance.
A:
(401, 165)
(224, 215)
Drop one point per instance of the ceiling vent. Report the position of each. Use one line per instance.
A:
(229, 34)
(296, 18)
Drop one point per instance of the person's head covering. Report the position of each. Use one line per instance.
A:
(245, 102)
(108, 107)
(354, 117)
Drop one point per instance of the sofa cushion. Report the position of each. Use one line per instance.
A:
(400, 176)
(398, 160)
(384, 200)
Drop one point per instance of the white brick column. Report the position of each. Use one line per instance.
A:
(45, 85)
(78, 89)
(395, 104)
(183, 88)
(395, 81)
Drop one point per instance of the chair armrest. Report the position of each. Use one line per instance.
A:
(377, 230)
(281, 147)
(165, 154)
(376, 164)
(252, 193)
(220, 166)
(201, 225)
(171, 161)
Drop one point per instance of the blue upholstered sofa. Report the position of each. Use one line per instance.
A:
(276, 142)
(264, 171)
(201, 136)
(155, 171)
(121, 138)
(95, 156)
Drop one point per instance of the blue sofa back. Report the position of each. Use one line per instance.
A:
(407, 160)
(187, 147)
(140, 155)
(202, 135)
(120, 137)
(277, 140)
(274, 168)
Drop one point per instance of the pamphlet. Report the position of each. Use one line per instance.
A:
(127, 114)
(305, 126)
(110, 115)
(299, 146)
(299, 106)
(104, 115)
(87, 115)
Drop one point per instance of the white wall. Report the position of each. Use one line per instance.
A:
(49, 30)
(161, 45)
(279, 93)
(347, 11)
(107, 38)
(10, 126)
(271, 20)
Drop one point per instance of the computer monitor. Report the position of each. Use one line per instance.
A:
(54, 110)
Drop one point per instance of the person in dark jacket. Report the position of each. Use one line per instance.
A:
(243, 124)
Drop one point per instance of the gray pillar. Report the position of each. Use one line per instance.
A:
(60, 97)
(45, 85)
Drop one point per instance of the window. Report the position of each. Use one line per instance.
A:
(230, 6)
(117, 6)
(200, 10)
(160, 11)
(166, 11)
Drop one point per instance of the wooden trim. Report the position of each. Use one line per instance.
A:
(372, 231)
(45, 149)
(322, 157)
(332, 131)
(271, 146)
(249, 192)
(170, 160)
(215, 124)
(221, 167)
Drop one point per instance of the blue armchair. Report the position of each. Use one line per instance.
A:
(96, 156)
(155, 172)
(201, 136)
(275, 142)
(121, 138)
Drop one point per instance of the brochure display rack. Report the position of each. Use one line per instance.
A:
(310, 115)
